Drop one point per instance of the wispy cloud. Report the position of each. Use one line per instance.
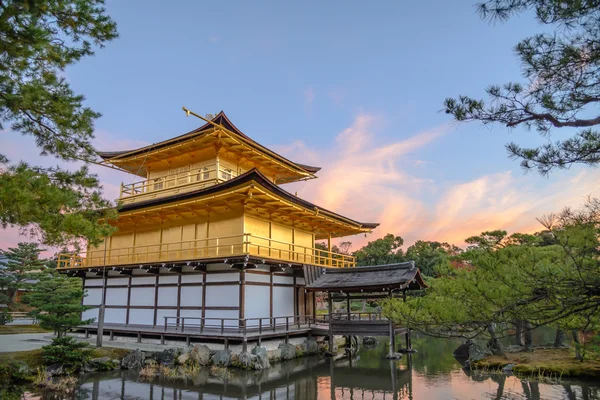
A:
(309, 98)
(372, 183)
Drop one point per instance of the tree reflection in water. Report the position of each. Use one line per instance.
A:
(432, 373)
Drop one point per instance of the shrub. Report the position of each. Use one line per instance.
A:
(5, 317)
(68, 352)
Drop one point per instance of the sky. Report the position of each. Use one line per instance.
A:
(355, 89)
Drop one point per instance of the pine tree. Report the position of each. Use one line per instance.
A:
(23, 266)
(58, 304)
(38, 40)
(561, 88)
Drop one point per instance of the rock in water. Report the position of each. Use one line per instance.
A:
(222, 358)
(55, 369)
(182, 359)
(201, 354)
(166, 357)
(508, 369)
(288, 351)
(262, 358)
(477, 352)
(135, 359)
(462, 352)
(311, 346)
(370, 341)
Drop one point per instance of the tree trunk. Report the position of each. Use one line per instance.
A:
(575, 334)
(519, 332)
(494, 343)
(528, 336)
(559, 339)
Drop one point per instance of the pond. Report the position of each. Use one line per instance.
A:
(432, 373)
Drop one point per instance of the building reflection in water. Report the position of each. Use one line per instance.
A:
(314, 379)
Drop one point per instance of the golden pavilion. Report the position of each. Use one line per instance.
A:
(208, 232)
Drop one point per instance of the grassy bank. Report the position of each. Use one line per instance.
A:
(18, 329)
(33, 358)
(559, 363)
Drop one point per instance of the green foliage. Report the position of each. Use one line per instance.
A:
(38, 40)
(57, 299)
(431, 257)
(562, 88)
(519, 279)
(22, 267)
(55, 205)
(68, 352)
(5, 317)
(386, 250)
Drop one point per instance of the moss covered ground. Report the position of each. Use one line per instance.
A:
(18, 329)
(560, 363)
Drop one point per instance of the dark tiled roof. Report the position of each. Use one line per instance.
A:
(252, 175)
(371, 278)
(220, 119)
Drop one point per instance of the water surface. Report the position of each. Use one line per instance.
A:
(432, 373)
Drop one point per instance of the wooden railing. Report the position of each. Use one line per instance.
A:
(210, 175)
(242, 326)
(226, 246)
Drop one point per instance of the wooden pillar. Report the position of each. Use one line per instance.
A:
(330, 305)
(329, 258)
(392, 340)
(348, 305)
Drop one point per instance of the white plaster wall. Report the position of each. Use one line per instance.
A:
(258, 278)
(167, 296)
(191, 313)
(168, 279)
(93, 282)
(160, 314)
(257, 303)
(141, 317)
(116, 296)
(283, 279)
(143, 296)
(117, 281)
(231, 277)
(143, 280)
(93, 313)
(223, 314)
(196, 278)
(191, 296)
(94, 297)
(115, 315)
(223, 296)
(283, 301)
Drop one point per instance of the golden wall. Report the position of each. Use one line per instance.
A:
(216, 236)
(275, 240)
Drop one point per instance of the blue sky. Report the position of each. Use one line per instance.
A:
(333, 84)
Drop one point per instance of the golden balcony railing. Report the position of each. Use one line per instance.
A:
(199, 249)
(208, 175)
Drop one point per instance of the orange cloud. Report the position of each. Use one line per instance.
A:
(371, 183)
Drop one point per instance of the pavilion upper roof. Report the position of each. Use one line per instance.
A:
(226, 137)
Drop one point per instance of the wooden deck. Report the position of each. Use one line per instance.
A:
(254, 329)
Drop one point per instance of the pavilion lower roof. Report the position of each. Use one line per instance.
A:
(368, 279)
(252, 193)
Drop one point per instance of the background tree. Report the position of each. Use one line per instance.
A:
(562, 87)
(386, 250)
(556, 285)
(22, 266)
(38, 40)
(57, 300)
(429, 257)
